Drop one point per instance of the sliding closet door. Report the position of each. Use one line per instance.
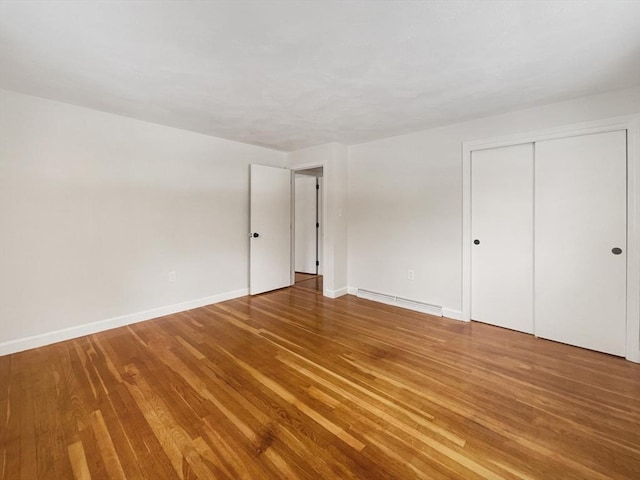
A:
(580, 241)
(502, 237)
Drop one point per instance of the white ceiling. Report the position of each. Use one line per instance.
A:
(289, 74)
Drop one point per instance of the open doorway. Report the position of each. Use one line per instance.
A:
(308, 228)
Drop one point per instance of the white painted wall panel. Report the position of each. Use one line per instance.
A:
(502, 223)
(580, 216)
(270, 227)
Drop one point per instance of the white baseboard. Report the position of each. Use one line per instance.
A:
(26, 343)
(352, 290)
(336, 293)
(453, 314)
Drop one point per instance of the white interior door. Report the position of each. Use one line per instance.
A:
(502, 237)
(580, 217)
(305, 224)
(270, 224)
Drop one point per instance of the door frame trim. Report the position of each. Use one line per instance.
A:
(630, 123)
(326, 269)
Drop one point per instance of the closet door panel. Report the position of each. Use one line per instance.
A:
(580, 217)
(502, 227)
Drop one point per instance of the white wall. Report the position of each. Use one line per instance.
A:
(333, 157)
(405, 198)
(337, 205)
(97, 209)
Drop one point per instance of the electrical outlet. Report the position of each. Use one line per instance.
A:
(411, 275)
(172, 276)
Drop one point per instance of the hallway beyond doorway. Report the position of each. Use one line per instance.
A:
(309, 281)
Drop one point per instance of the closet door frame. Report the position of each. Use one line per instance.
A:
(629, 123)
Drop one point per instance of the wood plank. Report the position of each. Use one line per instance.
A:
(79, 462)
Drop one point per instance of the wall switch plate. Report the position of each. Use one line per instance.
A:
(172, 276)
(411, 275)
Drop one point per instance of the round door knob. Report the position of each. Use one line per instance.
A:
(616, 251)
(476, 242)
(256, 235)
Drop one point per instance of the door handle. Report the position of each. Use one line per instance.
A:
(254, 235)
(476, 242)
(616, 251)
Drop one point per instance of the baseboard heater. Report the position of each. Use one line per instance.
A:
(400, 302)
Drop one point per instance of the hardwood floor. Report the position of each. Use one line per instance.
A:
(309, 281)
(292, 385)
(301, 276)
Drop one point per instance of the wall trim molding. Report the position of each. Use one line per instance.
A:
(452, 314)
(48, 338)
(352, 290)
(336, 293)
(630, 123)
